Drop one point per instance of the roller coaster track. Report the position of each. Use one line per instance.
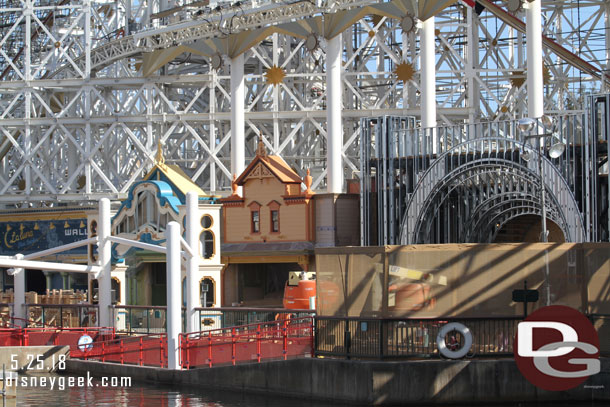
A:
(558, 49)
(216, 23)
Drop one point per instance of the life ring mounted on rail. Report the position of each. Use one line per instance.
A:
(451, 350)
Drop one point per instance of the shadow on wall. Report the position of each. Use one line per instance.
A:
(460, 280)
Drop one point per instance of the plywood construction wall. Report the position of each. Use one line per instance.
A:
(462, 280)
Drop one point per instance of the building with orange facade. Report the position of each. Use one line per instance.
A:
(269, 231)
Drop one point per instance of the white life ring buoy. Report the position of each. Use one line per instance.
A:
(442, 346)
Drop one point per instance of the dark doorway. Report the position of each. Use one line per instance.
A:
(527, 228)
(159, 284)
(35, 281)
(263, 284)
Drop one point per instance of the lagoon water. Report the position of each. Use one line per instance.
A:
(146, 395)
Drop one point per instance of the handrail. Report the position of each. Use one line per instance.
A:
(255, 309)
(83, 305)
(426, 319)
(244, 327)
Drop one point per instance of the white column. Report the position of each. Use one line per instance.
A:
(174, 308)
(238, 141)
(105, 255)
(535, 104)
(334, 126)
(193, 228)
(19, 292)
(428, 81)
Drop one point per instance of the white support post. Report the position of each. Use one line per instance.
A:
(105, 255)
(334, 125)
(174, 309)
(535, 105)
(19, 287)
(238, 140)
(428, 78)
(192, 283)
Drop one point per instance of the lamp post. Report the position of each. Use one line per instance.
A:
(526, 125)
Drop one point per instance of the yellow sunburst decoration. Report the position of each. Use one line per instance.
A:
(275, 75)
(404, 71)
(517, 78)
(546, 74)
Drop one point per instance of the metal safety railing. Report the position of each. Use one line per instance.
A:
(145, 319)
(146, 350)
(226, 317)
(62, 315)
(415, 338)
(404, 338)
(140, 319)
(277, 340)
(45, 336)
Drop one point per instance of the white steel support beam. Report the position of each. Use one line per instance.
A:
(192, 283)
(16, 263)
(428, 74)
(212, 134)
(238, 141)
(19, 287)
(535, 104)
(334, 126)
(174, 309)
(472, 59)
(105, 256)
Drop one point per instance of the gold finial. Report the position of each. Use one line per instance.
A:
(308, 180)
(261, 151)
(160, 158)
(234, 185)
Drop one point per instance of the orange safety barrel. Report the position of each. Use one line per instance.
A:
(297, 296)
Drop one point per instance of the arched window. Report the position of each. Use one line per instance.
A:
(94, 292)
(207, 244)
(115, 286)
(93, 247)
(206, 289)
(274, 216)
(255, 217)
(206, 239)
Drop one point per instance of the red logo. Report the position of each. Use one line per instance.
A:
(557, 348)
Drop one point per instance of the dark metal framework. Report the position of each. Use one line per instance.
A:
(464, 183)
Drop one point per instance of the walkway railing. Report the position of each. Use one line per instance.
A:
(278, 340)
(403, 338)
(144, 319)
(147, 350)
(43, 336)
(226, 317)
(140, 319)
(412, 338)
(62, 315)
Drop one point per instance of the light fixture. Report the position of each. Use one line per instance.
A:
(407, 23)
(526, 124)
(311, 42)
(514, 5)
(216, 61)
(557, 150)
(526, 156)
(547, 122)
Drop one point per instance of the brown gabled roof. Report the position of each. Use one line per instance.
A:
(276, 165)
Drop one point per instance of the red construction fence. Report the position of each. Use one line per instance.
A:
(277, 340)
